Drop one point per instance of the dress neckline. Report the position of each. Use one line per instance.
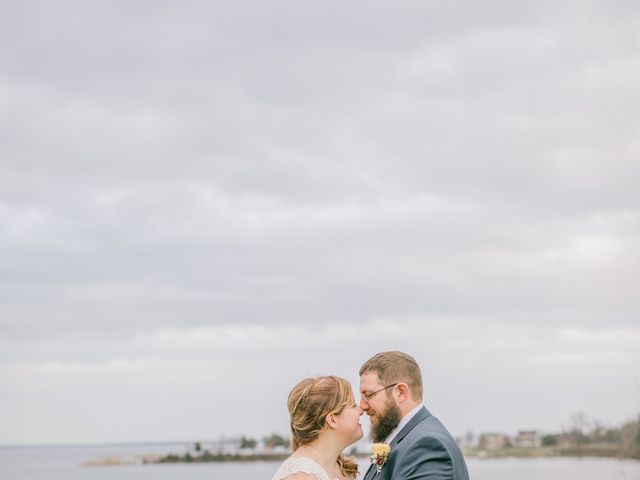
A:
(316, 464)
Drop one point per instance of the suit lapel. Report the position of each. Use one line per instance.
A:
(369, 474)
(422, 414)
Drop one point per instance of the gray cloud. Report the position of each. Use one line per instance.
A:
(201, 189)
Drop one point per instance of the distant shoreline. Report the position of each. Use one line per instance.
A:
(231, 456)
(601, 452)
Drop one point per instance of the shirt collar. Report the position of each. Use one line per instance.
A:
(406, 419)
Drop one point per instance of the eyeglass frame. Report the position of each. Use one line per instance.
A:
(368, 396)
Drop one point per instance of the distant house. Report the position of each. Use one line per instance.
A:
(527, 439)
(492, 441)
(564, 440)
(467, 441)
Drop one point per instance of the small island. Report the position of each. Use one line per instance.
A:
(273, 448)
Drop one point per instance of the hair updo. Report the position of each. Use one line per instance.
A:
(309, 403)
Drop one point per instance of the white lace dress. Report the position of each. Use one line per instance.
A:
(300, 464)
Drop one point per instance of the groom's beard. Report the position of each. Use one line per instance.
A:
(387, 421)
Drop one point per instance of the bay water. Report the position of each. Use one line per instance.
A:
(67, 463)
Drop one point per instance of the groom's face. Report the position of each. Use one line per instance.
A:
(381, 407)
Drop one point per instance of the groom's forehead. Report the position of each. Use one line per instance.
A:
(369, 380)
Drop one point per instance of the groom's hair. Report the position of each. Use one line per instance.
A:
(396, 367)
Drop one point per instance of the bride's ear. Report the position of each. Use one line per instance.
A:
(330, 420)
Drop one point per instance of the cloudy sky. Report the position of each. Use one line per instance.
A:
(202, 203)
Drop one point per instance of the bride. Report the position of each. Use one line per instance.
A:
(325, 419)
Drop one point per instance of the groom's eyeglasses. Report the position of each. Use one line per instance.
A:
(368, 396)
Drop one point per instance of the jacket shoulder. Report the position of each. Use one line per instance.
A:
(429, 451)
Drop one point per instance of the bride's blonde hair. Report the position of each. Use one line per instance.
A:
(309, 403)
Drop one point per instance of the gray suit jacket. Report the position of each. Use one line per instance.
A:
(423, 449)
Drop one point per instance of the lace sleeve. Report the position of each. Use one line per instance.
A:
(300, 465)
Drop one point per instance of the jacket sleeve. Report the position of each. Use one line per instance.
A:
(426, 459)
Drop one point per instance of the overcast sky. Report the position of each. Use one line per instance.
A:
(201, 203)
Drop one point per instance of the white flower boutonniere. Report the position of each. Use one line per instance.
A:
(380, 454)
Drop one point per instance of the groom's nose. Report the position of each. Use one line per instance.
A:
(364, 406)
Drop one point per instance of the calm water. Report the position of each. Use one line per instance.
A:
(64, 463)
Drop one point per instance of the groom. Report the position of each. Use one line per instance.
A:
(421, 447)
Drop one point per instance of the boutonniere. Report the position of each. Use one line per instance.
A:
(380, 454)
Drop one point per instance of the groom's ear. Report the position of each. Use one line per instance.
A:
(403, 391)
